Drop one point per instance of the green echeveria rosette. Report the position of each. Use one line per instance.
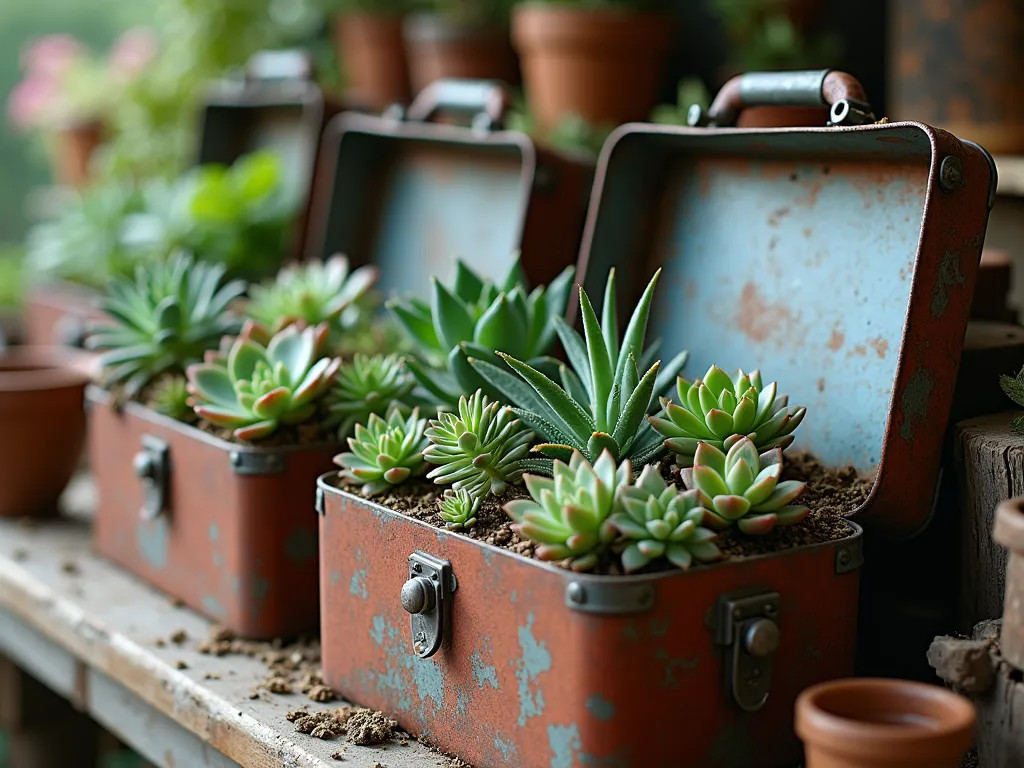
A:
(384, 453)
(366, 385)
(459, 508)
(258, 388)
(163, 320)
(659, 521)
(482, 448)
(170, 397)
(313, 293)
(742, 488)
(475, 317)
(719, 410)
(567, 516)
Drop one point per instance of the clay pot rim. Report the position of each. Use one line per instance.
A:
(817, 725)
(41, 368)
(1009, 527)
(541, 24)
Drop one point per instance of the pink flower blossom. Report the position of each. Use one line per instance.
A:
(52, 55)
(31, 101)
(132, 52)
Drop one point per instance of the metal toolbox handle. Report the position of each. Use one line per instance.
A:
(812, 88)
(486, 101)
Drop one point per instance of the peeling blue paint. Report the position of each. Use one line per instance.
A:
(600, 707)
(427, 675)
(514, 596)
(236, 585)
(564, 741)
(357, 585)
(462, 703)
(214, 606)
(505, 746)
(377, 631)
(151, 539)
(673, 664)
(214, 532)
(301, 547)
(659, 627)
(218, 560)
(483, 673)
(335, 577)
(392, 680)
(535, 659)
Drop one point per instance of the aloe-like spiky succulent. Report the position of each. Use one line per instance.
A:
(720, 409)
(163, 320)
(384, 453)
(459, 508)
(568, 514)
(258, 388)
(481, 448)
(313, 293)
(603, 400)
(170, 397)
(1013, 386)
(476, 317)
(366, 385)
(659, 521)
(740, 487)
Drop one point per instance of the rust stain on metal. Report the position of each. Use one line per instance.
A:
(860, 350)
(914, 404)
(760, 320)
(881, 347)
(836, 340)
(949, 275)
(821, 385)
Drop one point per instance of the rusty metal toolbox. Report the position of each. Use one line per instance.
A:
(411, 195)
(840, 261)
(274, 105)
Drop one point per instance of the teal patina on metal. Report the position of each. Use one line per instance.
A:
(301, 547)
(151, 538)
(214, 606)
(393, 680)
(600, 707)
(429, 680)
(483, 673)
(357, 584)
(535, 659)
(673, 664)
(505, 746)
(214, 532)
(462, 702)
(915, 401)
(564, 741)
(377, 630)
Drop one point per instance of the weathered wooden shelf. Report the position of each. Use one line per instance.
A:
(89, 631)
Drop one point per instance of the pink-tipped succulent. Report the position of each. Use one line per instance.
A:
(742, 488)
(255, 388)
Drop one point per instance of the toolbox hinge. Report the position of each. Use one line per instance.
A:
(427, 596)
(747, 625)
(153, 468)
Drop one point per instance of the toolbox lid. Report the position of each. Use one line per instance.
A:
(838, 261)
(411, 195)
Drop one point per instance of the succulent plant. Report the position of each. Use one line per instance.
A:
(659, 521)
(476, 317)
(603, 400)
(163, 320)
(1013, 387)
(366, 385)
(313, 293)
(742, 488)
(384, 453)
(721, 409)
(568, 514)
(481, 448)
(257, 388)
(459, 508)
(170, 397)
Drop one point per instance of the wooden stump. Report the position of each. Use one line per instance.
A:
(990, 468)
(989, 350)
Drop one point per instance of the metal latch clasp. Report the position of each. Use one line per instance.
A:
(747, 623)
(152, 467)
(427, 596)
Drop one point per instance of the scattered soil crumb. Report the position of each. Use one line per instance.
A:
(180, 665)
(970, 760)
(278, 685)
(211, 676)
(337, 756)
(366, 727)
(403, 741)
(323, 731)
(160, 643)
(296, 714)
(254, 695)
(178, 636)
(310, 681)
(321, 693)
(70, 567)
(455, 762)
(322, 725)
(177, 602)
(20, 555)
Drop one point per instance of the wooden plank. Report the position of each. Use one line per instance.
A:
(989, 459)
(52, 584)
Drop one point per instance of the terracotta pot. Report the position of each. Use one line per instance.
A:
(877, 723)
(1009, 532)
(72, 153)
(603, 64)
(372, 54)
(438, 48)
(42, 428)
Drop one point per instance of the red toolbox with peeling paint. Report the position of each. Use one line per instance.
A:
(226, 528)
(841, 261)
